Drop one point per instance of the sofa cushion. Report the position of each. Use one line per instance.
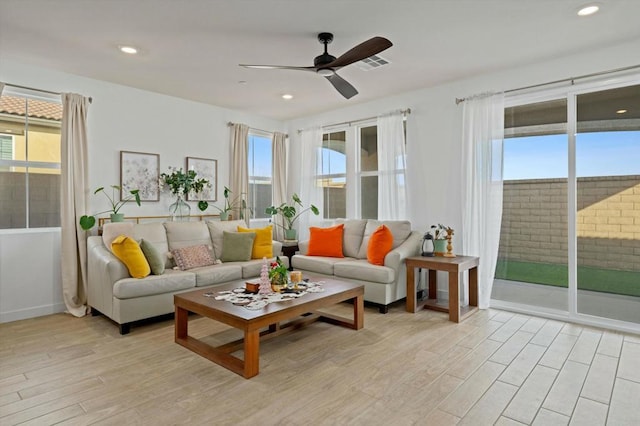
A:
(379, 245)
(187, 234)
(262, 246)
(153, 256)
(237, 246)
(352, 237)
(156, 234)
(401, 229)
(168, 282)
(319, 264)
(192, 257)
(362, 270)
(216, 230)
(217, 274)
(112, 230)
(129, 252)
(326, 241)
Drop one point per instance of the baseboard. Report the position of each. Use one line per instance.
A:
(37, 311)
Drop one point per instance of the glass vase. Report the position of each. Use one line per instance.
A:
(180, 210)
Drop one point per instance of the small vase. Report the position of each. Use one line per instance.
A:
(440, 247)
(278, 283)
(180, 210)
(117, 217)
(224, 216)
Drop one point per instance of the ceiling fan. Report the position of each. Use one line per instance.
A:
(326, 65)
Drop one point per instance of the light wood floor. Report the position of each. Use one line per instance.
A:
(401, 369)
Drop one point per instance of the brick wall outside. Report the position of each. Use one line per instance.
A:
(534, 222)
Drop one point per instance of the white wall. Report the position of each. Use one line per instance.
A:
(120, 118)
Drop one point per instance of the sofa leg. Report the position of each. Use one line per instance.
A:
(384, 309)
(125, 328)
(95, 312)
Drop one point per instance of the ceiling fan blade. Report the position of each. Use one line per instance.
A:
(278, 67)
(342, 86)
(365, 49)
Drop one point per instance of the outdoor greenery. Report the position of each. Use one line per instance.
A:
(589, 278)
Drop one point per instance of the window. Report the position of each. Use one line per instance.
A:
(29, 162)
(369, 172)
(260, 174)
(332, 175)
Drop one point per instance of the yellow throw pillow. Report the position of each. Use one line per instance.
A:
(129, 252)
(263, 244)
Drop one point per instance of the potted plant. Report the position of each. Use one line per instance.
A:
(290, 214)
(87, 222)
(439, 235)
(180, 184)
(230, 204)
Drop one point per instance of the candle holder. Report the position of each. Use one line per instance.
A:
(449, 252)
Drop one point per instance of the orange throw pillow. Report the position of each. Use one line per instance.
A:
(326, 241)
(380, 243)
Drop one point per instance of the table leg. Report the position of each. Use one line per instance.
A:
(432, 283)
(411, 289)
(473, 286)
(454, 297)
(358, 312)
(181, 323)
(251, 353)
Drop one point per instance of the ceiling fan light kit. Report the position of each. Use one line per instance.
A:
(326, 65)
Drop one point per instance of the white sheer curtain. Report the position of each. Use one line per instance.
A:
(310, 190)
(279, 183)
(482, 141)
(239, 172)
(392, 204)
(75, 187)
(1, 87)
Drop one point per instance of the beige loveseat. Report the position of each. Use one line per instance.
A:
(112, 291)
(382, 284)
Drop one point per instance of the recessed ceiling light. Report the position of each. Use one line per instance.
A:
(242, 82)
(621, 111)
(287, 96)
(128, 49)
(588, 10)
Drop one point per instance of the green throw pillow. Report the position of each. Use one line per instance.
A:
(237, 246)
(153, 256)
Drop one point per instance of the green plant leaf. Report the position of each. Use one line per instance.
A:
(98, 190)
(315, 210)
(202, 205)
(87, 222)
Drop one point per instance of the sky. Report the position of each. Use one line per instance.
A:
(597, 154)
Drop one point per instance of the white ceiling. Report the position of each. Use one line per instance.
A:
(191, 49)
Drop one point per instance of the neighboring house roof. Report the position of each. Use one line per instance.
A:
(37, 109)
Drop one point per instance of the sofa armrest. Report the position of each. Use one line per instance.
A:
(410, 247)
(277, 248)
(303, 247)
(103, 271)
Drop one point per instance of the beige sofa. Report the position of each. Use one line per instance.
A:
(112, 291)
(382, 284)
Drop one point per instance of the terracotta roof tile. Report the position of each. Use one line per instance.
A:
(37, 109)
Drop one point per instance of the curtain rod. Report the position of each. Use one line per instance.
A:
(231, 123)
(402, 111)
(38, 90)
(571, 79)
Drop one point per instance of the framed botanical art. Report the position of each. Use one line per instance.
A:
(141, 171)
(205, 168)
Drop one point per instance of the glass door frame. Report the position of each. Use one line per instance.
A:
(570, 94)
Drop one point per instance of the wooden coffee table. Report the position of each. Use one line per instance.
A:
(261, 324)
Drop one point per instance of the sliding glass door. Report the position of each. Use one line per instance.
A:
(570, 238)
(608, 203)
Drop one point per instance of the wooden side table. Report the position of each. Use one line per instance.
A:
(453, 265)
(289, 248)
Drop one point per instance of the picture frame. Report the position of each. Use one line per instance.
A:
(206, 168)
(141, 171)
